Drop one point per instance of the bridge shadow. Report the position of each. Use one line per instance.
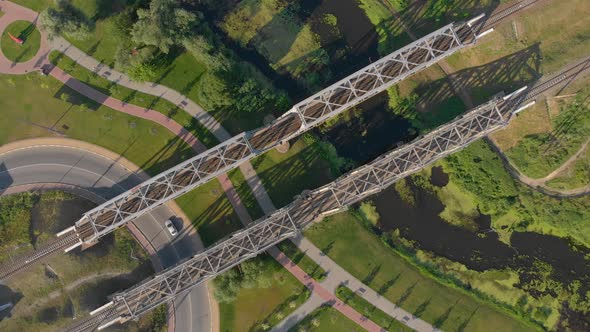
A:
(436, 102)
(304, 170)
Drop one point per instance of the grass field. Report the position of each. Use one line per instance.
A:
(134, 97)
(575, 176)
(362, 254)
(326, 319)
(148, 145)
(285, 175)
(210, 212)
(539, 154)
(258, 309)
(370, 311)
(20, 52)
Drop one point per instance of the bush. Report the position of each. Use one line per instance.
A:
(15, 220)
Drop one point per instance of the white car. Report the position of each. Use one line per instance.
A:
(170, 226)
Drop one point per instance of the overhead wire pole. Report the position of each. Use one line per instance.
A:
(305, 115)
(329, 199)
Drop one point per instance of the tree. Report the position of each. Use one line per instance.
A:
(163, 25)
(65, 19)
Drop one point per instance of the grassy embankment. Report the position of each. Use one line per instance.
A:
(134, 97)
(44, 300)
(31, 41)
(363, 254)
(146, 144)
(259, 308)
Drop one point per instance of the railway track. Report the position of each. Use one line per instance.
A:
(501, 15)
(26, 260)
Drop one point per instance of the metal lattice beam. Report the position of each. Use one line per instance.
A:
(331, 198)
(305, 115)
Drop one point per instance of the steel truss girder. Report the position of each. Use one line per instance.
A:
(380, 75)
(336, 196)
(230, 154)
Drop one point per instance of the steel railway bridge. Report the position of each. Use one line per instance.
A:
(302, 117)
(307, 114)
(332, 198)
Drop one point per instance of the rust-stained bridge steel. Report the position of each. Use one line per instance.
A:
(307, 114)
(329, 199)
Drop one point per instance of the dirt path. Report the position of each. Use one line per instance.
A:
(539, 184)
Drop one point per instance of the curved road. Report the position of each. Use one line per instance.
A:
(103, 178)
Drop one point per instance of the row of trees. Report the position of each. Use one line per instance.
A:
(153, 35)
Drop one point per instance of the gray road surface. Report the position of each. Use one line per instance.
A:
(102, 176)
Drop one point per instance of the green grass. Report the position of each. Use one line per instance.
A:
(20, 52)
(326, 319)
(575, 176)
(370, 311)
(302, 260)
(285, 175)
(210, 212)
(134, 97)
(274, 29)
(391, 36)
(538, 154)
(363, 254)
(31, 106)
(257, 306)
(246, 194)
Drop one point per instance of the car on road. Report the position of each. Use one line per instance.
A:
(171, 228)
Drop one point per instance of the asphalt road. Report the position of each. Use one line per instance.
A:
(102, 176)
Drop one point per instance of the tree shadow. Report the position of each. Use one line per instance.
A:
(371, 276)
(26, 32)
(440, 320)
(406, 294)
(107, 8)
(386, 286)
(464, 324)
(422, 307)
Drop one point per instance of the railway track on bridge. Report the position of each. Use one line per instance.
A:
(305, 115)
(349, 189)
